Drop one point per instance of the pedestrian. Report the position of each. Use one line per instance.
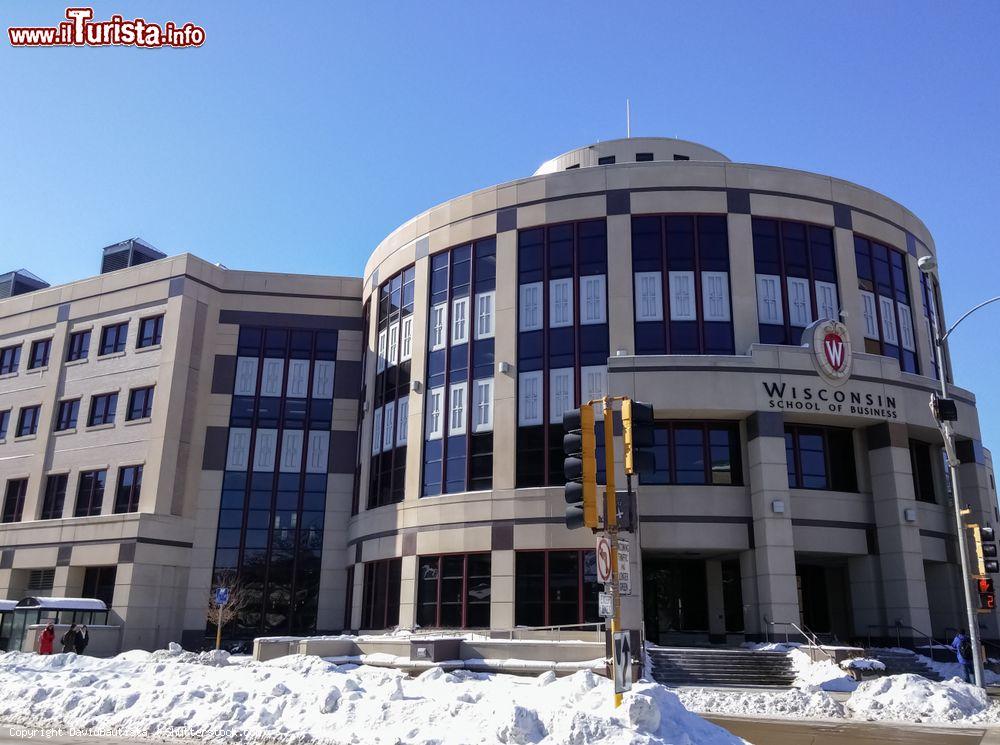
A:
(45, 640)
(69, 639)
(82, 639)
(963, 653)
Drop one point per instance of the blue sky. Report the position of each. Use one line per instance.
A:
(301, 133)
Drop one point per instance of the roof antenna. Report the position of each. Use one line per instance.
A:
(628, 119)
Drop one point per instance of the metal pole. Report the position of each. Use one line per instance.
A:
(611, 523)
(949, 446)
(634, 501)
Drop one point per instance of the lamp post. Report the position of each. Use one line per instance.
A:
(928, 265)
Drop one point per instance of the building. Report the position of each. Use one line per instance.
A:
(118, 420)
(366, 453)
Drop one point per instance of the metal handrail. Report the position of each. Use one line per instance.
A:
(899, 627)
(808, 635)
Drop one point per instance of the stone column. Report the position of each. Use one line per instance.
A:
(774, 545)
(748, 584)
(408, 592)
(743, 281)
(901, 557)
(502, 590)
(867, 603)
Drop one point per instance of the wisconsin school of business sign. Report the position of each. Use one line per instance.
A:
(830, 343)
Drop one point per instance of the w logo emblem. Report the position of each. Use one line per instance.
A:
(833, 348)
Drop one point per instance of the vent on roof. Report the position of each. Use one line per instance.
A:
(19, 282)
(128, 253)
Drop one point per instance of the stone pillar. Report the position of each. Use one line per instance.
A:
(408, 592)
(867, 603)
(901, 557)
(621, 319)
(502, 590)
(743, 281)
(774, 546)
(716, 602)
(748, 585)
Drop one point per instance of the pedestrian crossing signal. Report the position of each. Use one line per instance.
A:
(987, 594)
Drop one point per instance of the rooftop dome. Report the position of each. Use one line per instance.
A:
(630, 150)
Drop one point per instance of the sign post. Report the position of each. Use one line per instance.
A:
(221, 598)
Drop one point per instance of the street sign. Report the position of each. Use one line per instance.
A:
(603, 560)
(624, 575)
(221, 595)
(605, 604)
(622, 649)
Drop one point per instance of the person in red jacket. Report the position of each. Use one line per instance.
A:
(45, 640)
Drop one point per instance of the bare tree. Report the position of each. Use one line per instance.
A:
(220, 615)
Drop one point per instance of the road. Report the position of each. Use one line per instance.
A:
(789, 732)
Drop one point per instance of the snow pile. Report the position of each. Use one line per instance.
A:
(912, 698)
(822, 674)
(175, 694)
(948, 670)
(863, 664)
(795, 703)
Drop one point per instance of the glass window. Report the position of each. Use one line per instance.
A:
(453, 591)
(79, 346)
(129, 485)
(13, 503)
(150, 332)
(4, 423)
(555, 588)
(696, 453)
(9, 359)
(380, 602)
(55, 496)
(102, 409)
(113, 338)
(39, 353)
(90, 493)
(67, 415)
(27, 420)
(923, 475)
(820, 458)
(886, 305)
(140, 403)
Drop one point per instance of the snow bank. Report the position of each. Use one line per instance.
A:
(822, 674)
(913, 698)
(173, 694)
(795, 703)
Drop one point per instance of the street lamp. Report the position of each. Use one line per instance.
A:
(928, 265)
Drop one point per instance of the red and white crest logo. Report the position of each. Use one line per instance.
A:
(831, 347)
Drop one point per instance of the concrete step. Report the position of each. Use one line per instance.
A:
(897, 663)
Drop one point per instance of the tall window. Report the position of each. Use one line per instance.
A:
(113, 338)
(553, 588)
(55, 496)
(270, 532)
(67, 415)
(563, 344)
(929, 293)
(688, 452)
(39, 353)
(391, 390)
(796, 270)
(453, 591)
(885, 302)
(923, 475)
(13, 501)
(9, 359)
(27, 420)
(4, 423)
(140, 403)
(820, 458)
(102, 409)
(380, 600)
(150, 332)
(79, 346)
(129, 486)
(458, 405)
(681, 285)
(90, 493)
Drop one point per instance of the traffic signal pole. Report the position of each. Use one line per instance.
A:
(611, 519)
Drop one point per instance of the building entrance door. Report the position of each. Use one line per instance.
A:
(675, 599)
(824, 602)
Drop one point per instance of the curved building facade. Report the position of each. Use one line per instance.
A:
(659, 269)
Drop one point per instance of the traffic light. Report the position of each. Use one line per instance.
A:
(987, 540)
(987, 595)
(944, 409)
(637, 432)
(580, 468)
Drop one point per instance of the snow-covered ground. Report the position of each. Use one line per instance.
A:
(173, 694)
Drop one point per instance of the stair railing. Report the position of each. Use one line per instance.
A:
(899, 628)
(804, 631)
